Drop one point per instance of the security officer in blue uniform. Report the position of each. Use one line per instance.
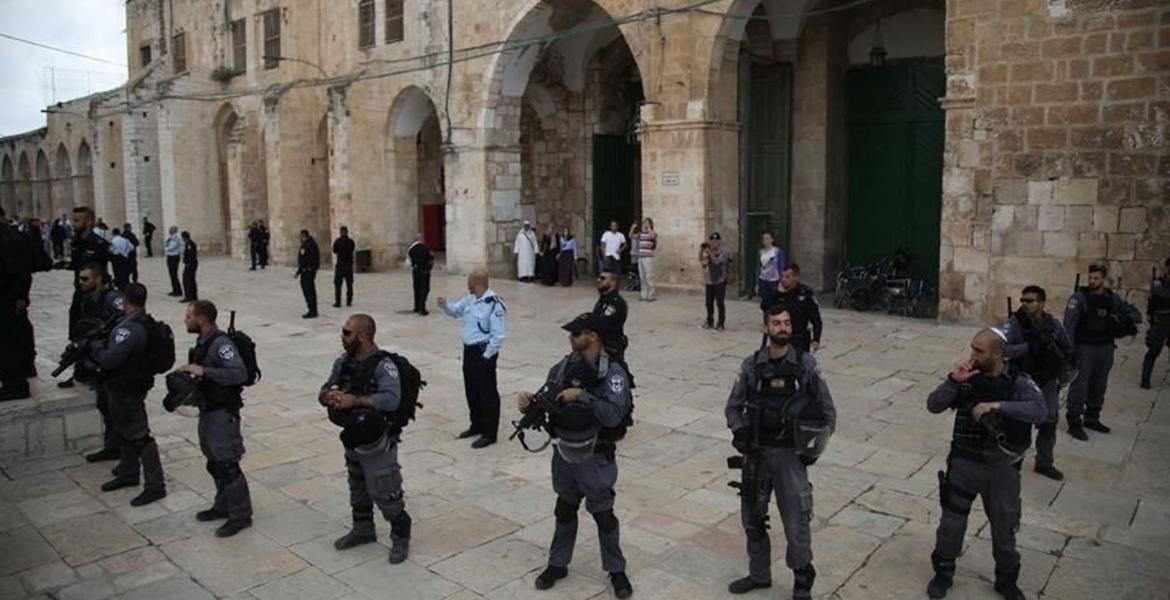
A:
(220, 371)
(126, 377)
(1038, 345)
(781, 411)
(485, 325)
(994, 413)
(1158, 310)
(1095, 316)
(362, 392)
(594, 416)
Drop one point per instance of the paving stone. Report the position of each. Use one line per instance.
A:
(10, 588)
(90, 588)
(24, 548)
(11, 517)
(295, 525)
(321, 554)
(454, 532)
(230, 565)
(407, 579)
(175, 588)
(92, 537)
(173, 526)
(486, 567)
(876, 524)
(1076, 578)
(48, 576)
(307, 584)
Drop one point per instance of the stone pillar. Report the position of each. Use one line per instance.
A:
(141, 173)
(468, 198)
(108, 168)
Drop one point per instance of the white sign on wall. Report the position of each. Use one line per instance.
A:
(670, 178)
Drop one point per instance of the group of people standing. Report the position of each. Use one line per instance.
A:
(552, 257)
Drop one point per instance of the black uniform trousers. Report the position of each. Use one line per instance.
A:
(149, 248)
(173, 271)
(715, 297)
(16, 353)
(121, 272)
(190, 290)
(255, 255)
(110, 438)
(343, 273)
(1156, 338)
(422, 288)
(309, 289)
(127, 412)
(479, 385)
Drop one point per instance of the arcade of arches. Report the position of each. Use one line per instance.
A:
(982, 137)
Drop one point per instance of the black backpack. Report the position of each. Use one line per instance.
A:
(247, 349)
(160, 346)
(411, 383)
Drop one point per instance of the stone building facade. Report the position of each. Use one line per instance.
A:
(1004, 142)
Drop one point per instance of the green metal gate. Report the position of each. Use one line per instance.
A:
(896, 134)
(616, 187)
(765, 92)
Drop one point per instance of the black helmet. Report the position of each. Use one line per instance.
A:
(182, 390)
(362, 428)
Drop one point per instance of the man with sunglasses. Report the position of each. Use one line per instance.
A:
(95, 303)
(363, 393)
(994, 413)
(612, 310)
(220, 371)
(1037, 344)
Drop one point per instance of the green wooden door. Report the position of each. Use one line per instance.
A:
(766, 141)
(896, 133)
(615, 187)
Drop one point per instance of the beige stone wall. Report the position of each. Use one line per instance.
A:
(1056, 148)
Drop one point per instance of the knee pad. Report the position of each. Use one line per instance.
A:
(228, 471)
(565, 511)
(606, 521)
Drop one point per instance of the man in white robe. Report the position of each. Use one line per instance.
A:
(526, 251)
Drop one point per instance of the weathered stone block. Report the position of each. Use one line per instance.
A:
(1121, 246)
(969, 154)
(1073, 114)
(1133, 220)
(1074, 191)
(969, 260)
(1060, 243)
(81, 425)
(1105, 218)
(1113, 66)
(1040, 192)
(1051, 218)
(1056, 92)
(46, 435)
(1078, 218)
(1131, 89)
(1091, 246)
(1047, 138)
(1094, 138)
(1032, 71)
(1029, 243)
(1011, 191)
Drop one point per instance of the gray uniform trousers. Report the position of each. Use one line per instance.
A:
(128, 419)
(1046, 432)
(1156, 338)
(789, 480)
(375, 478)
(223, 447)
(1086, 394)
(999, 486)
(592, 480)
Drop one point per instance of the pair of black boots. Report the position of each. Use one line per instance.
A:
(548, 578)
(944, 578)
(1076, 428)
(802, 583)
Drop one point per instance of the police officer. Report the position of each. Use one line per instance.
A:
(1158, 310)
(220, 371)
(94, 304)
(801, 302)
(594, 417)
(994, 412)
(611, 308)
(308, 261)
(126, 377)
(87, 247)
(421, 263)
(485, 326)
(1038, 345)
(343, 248)
(17, 353)
(781, 414)
(1095, 316)
(362, 393)
(173, 249)
(190, 265)
(148, 229)
(255, 243)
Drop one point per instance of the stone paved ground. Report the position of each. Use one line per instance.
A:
(483, 519)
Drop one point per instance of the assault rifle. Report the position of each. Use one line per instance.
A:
(751, 486)
(578, 374)
(79, 348)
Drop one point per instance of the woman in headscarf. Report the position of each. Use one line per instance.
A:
(550, 247)
(567, 258)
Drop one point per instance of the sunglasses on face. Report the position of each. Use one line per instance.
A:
(346, 332)
(85, 278)
(1028, 300)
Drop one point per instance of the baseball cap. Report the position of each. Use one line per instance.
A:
(584, 322)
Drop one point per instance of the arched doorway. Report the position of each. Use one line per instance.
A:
(317, 219)
(42, 188)
(414, 162)
(23, 187)
(225, 137)
(62, 183)
(83, 178)
(570, 110)
(242, 177)
(8, 186)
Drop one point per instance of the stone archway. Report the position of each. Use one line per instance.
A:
(23, 188)
(8, 186)
(83, 176)
(241, 176)
(62, 183)
(414, 165)
(42, 188)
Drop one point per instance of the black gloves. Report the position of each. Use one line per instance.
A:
(807, 461)
(742, 440)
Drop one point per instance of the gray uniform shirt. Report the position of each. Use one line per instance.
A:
(126, 338)
(1028, 404)
(610, 398)
(386, 394)
(736, 409)
(223, 365)
(1017, 345)
(1077, 303)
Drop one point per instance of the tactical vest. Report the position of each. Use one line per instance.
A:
(134, 376)
(357, 378)
(1041, 362)
(995, 439)
(579, 418)
(1160, 299)
(780, 400)
(215, 396)
(1096, 324)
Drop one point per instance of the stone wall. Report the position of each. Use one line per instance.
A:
(49, 426)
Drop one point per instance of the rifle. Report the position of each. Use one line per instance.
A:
(79, 348)
(752, 487)
(577, 374)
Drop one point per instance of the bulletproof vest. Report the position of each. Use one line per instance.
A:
(1160, 298)
(214, 395)
(776, 392)
(612, 309)
(1042, 361)
(578, 422)
(1096, 324)
(359, 424)
(134, 375)
(995, 439)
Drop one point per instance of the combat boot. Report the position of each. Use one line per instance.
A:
(1005, 583)
(353, 539)
(549, 577)
(802, 583)
(1076, 430)
(944, 576)
(399, 549)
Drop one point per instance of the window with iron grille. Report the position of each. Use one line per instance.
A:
(394, 31)
(239, 45)
(365, 23)
(179, 52)
(144, 55)
(272, 38)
